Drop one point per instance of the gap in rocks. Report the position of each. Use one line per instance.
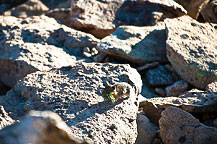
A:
(206, 118)
(4, 88)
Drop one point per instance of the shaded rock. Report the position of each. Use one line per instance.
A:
(12, 1)
(39, 128)
(193, 101)
(177, 126)
(212, 87)
(100, 57)
(137, 44)
(51, 4)
(147, 66)
(209, 11)
(147, 92)
(193, 7)
(160, 91)
(36, 43)
(176, 88)
(29, 8)
(3, 89)
(5, 120)
(215, 123)
(146, 130)
(4, 7)
(191, 49)
(74, 92)
(159, 76)
(100, 18)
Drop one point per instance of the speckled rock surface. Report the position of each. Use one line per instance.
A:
(74, 92)
(159, 76)
(5, 120)
(39, 128)
(194, 101)
(137, 44)
(212, 87)
(178, 127)
(29, 8)
(35, 43)
(191, 49)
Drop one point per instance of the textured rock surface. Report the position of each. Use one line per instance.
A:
(209, 12)
(177, 126)
(5, 120)
(194, 101)
(100, 18)
(35, 44)
(159, 76)
(137, 44)
(191, 49)
(176, 88)
(74, 92)
(30, 8)
(39, 128)
(193, 7)
(146, 130)
(212, 87)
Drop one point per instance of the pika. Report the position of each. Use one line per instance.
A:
(117, 91)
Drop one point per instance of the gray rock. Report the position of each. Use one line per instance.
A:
(74, 92)
(193, 7)
(147, 92)
(177, 126)
(176, 88)
(147, 66)
(39, 128)
(194, 101)
(160, 91)
(209, 11)
(5, 120)
(159, 76)
(191, 49)
(146, 130)
(29, 8)
(35, 43)
(137, 44)
(212, 87)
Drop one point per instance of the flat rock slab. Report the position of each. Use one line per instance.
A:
(191, 49)
(178, 127)
(36, 43)
(74, 92)
(194, 101)
(137, 44)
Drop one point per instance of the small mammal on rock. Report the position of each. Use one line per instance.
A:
(117, 91)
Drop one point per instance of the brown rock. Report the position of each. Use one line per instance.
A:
(176, 88)
(193, 7)
(177, 127)
(191, 49)
(209, 12)
(30, 8)
(39, 128)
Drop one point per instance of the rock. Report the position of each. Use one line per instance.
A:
(147, 66)
(74, 92)
(39, 128)
(215, 123)
(191, 49)
(4, 7)
(160, 91)
(146, 130)
(212, 87)
(29, 8)
(158, 77)
(99, 57)
(177, 126)
(209, 11)
(147, 92)
(193, 7)
(137, 44)
(3, 89)
(176, 88)
(52, 4)
(100, 18)
(35, 43)
(12, 1)
(194, 101)
(5, 120)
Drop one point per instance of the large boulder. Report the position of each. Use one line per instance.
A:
(209, 11)
(100, 18)
(75, 93)
(29, 8)
(191, 49)
(39, 128)
(35, 43)
(137, 44)
(194, 101)
(178, 127)
(5, 119)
